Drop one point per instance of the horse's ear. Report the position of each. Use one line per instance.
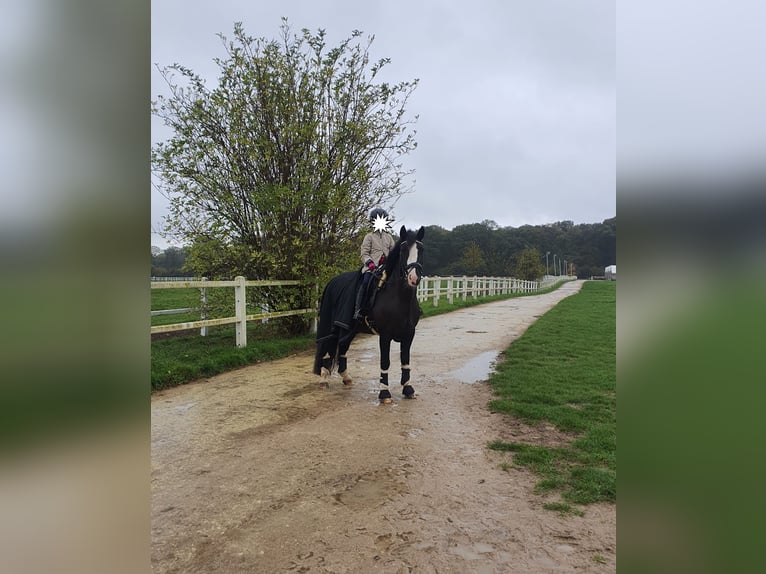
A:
(421, 233)
(403, 233)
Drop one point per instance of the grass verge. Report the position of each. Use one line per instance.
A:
(179, 360)
(562, 370)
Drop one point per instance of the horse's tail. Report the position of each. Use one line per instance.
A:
(336, 310)
(325, 346)
(324, 330)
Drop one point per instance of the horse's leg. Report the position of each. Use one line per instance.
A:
(407, 390)
(385, 361)
(327, 360)
(343, 362)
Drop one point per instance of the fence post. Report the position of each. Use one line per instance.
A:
(449, 289)
(240, 309)
(203, 309)
(437, 281)
(264, 309)
(314, 320)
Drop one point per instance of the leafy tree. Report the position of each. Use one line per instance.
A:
(271, 173)
(170, 262)
(529, 266)
(472, 261)
(439, 253)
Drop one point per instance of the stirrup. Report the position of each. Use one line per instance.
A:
(370, 326)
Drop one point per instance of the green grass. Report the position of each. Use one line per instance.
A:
(562, 371)
(220, 301)
(562, 508)
(180, 359)
(175, 298)
(183, 359)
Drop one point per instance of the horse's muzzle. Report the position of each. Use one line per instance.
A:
(414, 274)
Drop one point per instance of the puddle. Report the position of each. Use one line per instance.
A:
(476, 369)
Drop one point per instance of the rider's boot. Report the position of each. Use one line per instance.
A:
(358, 304)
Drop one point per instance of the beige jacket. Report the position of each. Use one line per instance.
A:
(375, 245)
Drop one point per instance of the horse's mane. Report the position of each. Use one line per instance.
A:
(392, 261)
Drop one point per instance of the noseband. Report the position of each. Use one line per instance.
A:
(405, 267)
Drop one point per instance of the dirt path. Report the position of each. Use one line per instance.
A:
(258, 470)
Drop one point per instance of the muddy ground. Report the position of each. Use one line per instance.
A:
(258, 470)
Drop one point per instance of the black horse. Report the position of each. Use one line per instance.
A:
(393, 316)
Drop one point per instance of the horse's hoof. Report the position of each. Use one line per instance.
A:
(408, 392)
(387, 401)
(324, 385)
(347, 380)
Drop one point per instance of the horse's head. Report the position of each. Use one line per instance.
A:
(411, 255)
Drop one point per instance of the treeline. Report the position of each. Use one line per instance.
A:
(487, 249)
(170, 262)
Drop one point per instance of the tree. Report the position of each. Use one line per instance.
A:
(170, 262)
(271, 174)
(529, 266)
(472, 261)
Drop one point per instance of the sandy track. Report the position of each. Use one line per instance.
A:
(258, 470)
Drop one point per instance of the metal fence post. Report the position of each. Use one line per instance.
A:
(240, 311)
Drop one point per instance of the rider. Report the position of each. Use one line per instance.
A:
(375, 248)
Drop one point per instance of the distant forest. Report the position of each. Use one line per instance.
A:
(487, 249)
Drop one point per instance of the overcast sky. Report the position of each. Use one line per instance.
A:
(516, 100)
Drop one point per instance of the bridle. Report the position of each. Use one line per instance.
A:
(407, 267)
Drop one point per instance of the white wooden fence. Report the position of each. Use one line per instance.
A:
(433, 288)
(463, 287)
(240, 317)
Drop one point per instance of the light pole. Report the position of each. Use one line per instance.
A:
(546, 262)
(554, 264)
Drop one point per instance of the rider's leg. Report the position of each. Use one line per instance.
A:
(360, 293)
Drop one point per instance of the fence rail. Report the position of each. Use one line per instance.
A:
(450, 287)
(158, 279)
(434, 288)
(240, 318)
